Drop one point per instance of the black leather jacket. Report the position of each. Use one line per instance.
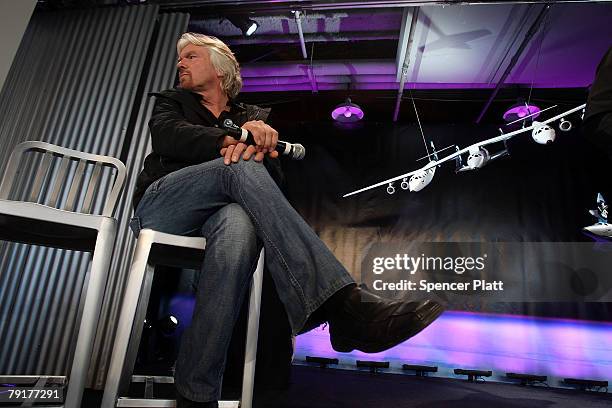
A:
(185, 133)
(597, 123)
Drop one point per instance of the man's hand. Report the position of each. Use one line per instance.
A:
(232, 153)
(231, 149)
(264, 135)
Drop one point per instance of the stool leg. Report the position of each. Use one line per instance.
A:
(91, 312)
(127, 319)
(248, 378)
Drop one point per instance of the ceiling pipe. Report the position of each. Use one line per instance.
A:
(310, 71)
(298, 21)
(327, 38)
(297, 68)
(323, 85)
(405, 46)
(530, 33)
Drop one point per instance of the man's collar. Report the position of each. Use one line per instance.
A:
(231, 102)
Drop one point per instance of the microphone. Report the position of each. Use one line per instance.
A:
(294, 150)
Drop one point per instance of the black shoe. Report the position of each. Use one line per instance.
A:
(371, 324)
(182, 402)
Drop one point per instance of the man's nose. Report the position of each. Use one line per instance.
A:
(181, 64)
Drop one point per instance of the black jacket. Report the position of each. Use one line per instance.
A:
(600, 95)
(597, 124)
(185, 133)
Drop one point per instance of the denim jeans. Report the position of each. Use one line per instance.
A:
(237, 208)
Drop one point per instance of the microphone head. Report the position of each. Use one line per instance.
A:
(229, 124)
(298, 152)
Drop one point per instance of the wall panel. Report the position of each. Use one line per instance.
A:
(74, 82)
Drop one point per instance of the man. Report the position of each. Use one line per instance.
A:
(597, 124)
(199, 181)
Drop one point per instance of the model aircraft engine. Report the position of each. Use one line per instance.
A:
(542, 133)
(565, 125)
(478, 157)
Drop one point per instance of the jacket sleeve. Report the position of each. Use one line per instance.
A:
(178, 139)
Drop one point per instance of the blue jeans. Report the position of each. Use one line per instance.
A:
(235, 208)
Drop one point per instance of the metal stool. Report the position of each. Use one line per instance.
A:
(153, 248)
(59, 210)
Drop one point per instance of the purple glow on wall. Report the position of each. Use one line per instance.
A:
(554, 347)
(299, 85)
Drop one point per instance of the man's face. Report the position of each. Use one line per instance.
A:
(196, 71)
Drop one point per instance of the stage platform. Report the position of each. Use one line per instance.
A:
(313, 387)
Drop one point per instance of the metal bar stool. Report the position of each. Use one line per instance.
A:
(154, 248)
(58, 210)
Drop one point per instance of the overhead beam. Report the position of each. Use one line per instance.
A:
(346, 36)
(409, 23)
(402, 43)
(526, 40)
(287, 5)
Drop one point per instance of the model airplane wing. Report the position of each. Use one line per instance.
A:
(382, 183)
(458, 153)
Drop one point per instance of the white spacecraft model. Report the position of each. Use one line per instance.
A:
(601, 228)
(477, 154)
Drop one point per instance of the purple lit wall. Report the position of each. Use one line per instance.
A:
(558, 348)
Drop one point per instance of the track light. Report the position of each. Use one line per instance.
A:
(374, 366)
(420, 370)
(473, 375)
(347, 112)
(528, 379)
(244, 24)
(323, 362)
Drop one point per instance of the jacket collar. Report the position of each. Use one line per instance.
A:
(192, 101)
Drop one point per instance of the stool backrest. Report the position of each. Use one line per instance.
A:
(65, 179)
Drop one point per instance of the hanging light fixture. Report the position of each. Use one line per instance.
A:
(347, 112)
(244, 24)
(521, 110)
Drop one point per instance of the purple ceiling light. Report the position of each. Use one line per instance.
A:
(521, 110)
(347, 112)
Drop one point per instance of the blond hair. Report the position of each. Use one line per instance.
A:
(221, 57)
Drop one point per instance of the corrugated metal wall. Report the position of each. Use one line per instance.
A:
(74, 82)
(160, 76)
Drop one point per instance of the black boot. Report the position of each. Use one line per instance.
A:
(371, 324)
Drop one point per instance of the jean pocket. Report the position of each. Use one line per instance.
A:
(135, 226)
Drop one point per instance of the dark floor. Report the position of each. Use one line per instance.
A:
(325, 388)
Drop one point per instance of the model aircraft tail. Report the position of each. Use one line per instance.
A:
(433, 149)
(601, 212)
(433, 156)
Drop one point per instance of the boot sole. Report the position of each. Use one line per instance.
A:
(346, 345)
